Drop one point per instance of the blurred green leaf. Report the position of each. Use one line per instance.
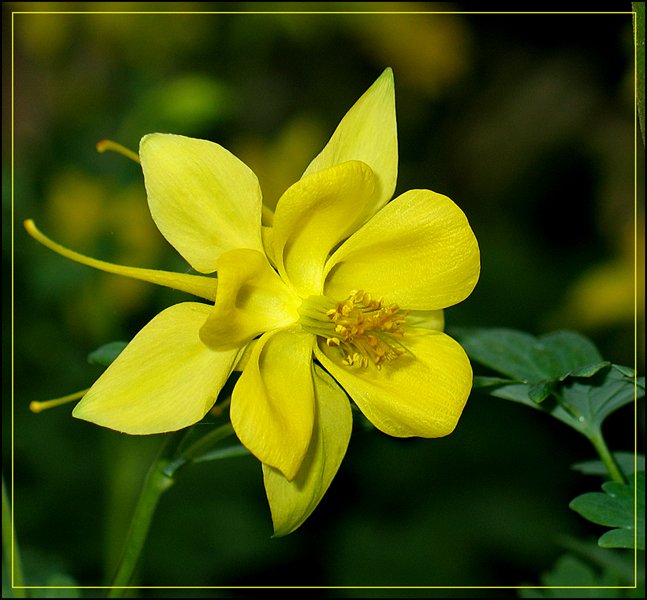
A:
(572, 577)
(627, 461)
(587, 564)
(572, 571)
(617, 561)
(59, 585)
(616, 508)
(106, 353)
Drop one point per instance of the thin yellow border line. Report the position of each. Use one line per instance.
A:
(12, 303)
(332, 587)
(337, 13)
(320, 12)
(636, 126)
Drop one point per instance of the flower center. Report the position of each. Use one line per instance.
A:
(364, 329)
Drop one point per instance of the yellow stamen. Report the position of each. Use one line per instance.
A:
(363, 328)
(104, 145)
(37, 407)
(204, 287)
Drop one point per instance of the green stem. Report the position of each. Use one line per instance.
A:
(10, 547)
(155, 484)
(607, 458)
(200, 447)
(594, 434)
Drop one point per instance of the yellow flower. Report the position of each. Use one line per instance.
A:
(342, 295)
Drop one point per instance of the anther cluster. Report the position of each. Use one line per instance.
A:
(366, 330)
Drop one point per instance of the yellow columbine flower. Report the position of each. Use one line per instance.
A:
(343, 277)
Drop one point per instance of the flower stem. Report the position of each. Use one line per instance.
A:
(10, 548)
(610, 463)
(200, 447)
(155, 484)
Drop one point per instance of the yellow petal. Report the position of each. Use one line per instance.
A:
(421, 393)
(272, 406)
(368, 132)
(203, 199)
(243, 357)
(204, 287)
(311, 218)
(419, 251)
(164, 380)
(268, 243)
(429, 319)
(292, 502)
(251, 299)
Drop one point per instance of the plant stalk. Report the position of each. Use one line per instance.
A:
(610, 463)
(155, 484)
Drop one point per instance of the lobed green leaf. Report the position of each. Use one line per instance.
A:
(526, 358)
(617, 507)
(563, 366)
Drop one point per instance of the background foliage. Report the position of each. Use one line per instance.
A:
(526, 121)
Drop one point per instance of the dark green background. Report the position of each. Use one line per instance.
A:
(525, 121)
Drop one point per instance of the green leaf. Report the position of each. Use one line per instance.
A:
(592, 400)
(629, 372)
(526, 358)
(616, 507)
(582, 403)
(226, 452)
(204, 449)
(572, 571)
(617, 561)
(572, 577)
(593, 567)
(538, 392)
(59, 585)
(563, 366)
(588, 370)
(504, 388)
(627, 462)
(106, 353)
